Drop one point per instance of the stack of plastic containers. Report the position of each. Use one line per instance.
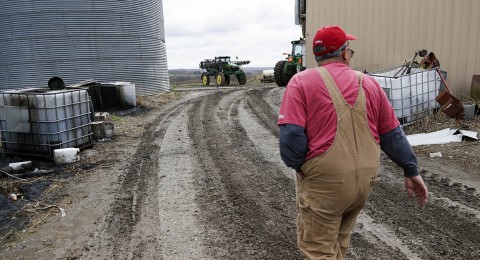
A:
(37, 121)
(412, 95)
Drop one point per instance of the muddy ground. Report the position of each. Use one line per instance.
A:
(199, 176)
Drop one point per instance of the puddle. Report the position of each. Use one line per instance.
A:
(34, 190)
(12, 218)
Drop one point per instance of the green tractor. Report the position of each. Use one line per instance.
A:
(223, 69)
(295, 62)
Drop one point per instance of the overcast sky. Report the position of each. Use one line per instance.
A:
(255, 30)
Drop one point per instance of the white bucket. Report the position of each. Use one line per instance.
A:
(108, 128)
(21, 165)
(469, 111)
(66, 155)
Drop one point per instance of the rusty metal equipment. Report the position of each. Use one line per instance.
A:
(429, 61)
(420, 53)
(449, 104)
(407, 69)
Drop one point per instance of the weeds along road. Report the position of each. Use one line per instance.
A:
(207, 182)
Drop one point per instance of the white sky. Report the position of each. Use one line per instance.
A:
(255, 30)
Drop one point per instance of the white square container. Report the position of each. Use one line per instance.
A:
(412, 95)
(50, 119)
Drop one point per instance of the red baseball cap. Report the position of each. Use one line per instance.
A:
(332, 38)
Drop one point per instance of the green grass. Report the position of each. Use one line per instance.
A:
(116, 118)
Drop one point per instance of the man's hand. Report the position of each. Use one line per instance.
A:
(417, 186)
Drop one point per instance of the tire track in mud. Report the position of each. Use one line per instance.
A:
(262, 110)
(410, 233)
(241, 109)
(245, 196)
(254, 201)
(274, 98)
(371, 238)
(180, 235)
(262, 138)
(122, 234)
(437, 231)
(447, 228)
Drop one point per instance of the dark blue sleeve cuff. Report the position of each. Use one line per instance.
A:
(395, 145)
(293, 145)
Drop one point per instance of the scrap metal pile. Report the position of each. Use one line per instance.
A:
(416, 89)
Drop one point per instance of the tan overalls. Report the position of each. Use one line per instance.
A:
(337, 183)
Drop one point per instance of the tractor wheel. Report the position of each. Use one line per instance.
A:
(227, 80)
(292, 71)
(220, 79)
(242, 78)
(278, 73)
(205, 79)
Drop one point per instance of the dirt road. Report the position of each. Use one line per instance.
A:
(204, 180)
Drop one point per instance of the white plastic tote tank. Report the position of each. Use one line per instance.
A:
(49, 119)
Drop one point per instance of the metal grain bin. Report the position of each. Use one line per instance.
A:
(106, 40)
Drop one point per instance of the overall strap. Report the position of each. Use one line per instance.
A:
(337, 96)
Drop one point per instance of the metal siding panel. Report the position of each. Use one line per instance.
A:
(474, 63)
(390, 31)
(84, 39)
(447, 53)
(353, 28)
(373, 36)
(392, 55)
(472, 60)
(458, 40)
(400, 39)
(341, 8)
(311, 21)
(370, 35)
(423, 32)
(383, 29)
(330, 6)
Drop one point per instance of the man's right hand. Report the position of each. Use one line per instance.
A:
(415, 185)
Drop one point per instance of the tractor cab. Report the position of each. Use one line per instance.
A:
(222, 59)
(299, 53)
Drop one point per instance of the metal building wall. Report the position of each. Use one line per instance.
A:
(390, 31)
(77, 40)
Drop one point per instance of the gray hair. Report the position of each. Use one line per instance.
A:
(329, 55)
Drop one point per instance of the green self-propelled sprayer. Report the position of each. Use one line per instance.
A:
(223, 69)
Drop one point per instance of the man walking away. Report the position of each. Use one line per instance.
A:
(333, 122)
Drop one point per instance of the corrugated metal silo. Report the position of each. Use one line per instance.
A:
(108, 40)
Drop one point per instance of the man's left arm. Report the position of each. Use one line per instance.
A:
(395, 145)
(293, 145)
